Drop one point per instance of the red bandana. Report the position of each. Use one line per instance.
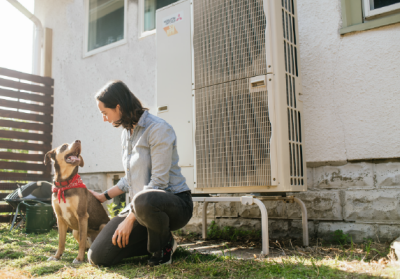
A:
(75, 182)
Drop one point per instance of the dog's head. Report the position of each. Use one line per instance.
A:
(67, 158)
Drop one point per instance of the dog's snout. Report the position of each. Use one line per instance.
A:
(78, 141)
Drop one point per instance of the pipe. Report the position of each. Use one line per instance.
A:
(37, 47)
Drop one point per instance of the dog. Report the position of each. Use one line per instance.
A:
(74, 205)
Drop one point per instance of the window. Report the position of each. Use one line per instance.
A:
(148, 14)
(380, 7)
(106, 25)
(360, 15)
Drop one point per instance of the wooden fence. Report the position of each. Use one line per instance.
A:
(26, 117)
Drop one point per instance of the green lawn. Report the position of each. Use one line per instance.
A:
(24, 256)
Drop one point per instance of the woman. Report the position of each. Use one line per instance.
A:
(161, 201)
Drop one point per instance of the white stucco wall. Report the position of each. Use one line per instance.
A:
(77, 80)
(351, 84)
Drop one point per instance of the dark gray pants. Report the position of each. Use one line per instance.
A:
(157, 214)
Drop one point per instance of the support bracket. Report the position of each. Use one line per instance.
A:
(249, 200)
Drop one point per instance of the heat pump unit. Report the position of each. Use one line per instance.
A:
(228, 81)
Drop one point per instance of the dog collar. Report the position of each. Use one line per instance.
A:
(65, 183)
(75, 182)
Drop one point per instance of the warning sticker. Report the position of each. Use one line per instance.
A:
(170, 30)
(172, 19)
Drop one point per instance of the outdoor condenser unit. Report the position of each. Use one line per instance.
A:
(228, 81)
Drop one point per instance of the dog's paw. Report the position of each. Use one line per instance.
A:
(52, 259)
(76, 261)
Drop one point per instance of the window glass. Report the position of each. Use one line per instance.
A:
(106, 22)
(150, 7)
(376, 4)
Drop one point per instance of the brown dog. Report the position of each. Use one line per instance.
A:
(74, 206)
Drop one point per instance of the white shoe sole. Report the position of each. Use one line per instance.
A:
(174, 247)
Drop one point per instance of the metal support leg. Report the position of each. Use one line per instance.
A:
(304, 220)
(204, 221)
(249, 200)
(264, 227)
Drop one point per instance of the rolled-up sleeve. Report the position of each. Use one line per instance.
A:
(123, 185)
(161, 142)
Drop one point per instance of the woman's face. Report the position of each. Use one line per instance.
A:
(110, 115)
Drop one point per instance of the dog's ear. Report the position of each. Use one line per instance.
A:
(49, 155)
(81, 163)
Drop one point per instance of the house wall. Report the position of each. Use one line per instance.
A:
(77, 79)
(350, 85)
(351, 94)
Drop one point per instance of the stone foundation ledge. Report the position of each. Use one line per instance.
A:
(290, 228)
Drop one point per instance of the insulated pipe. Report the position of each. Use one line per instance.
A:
(37, 47)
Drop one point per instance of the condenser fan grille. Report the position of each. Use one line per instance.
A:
(229, 40)
(232, 136)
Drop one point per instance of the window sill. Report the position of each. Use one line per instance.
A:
(104, 48)
(387, 20)
(147, 33)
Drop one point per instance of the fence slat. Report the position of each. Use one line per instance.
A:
(25, 106)
(14, 176)
(28, 126)
(21, 156)
(15, 74)
(6, 208)
(26, 136)
(8, 186)
(25, 86)
(26, 116)
(5, 218)
(24, 146)
(22, 166)
(41, 92)
(27, 96)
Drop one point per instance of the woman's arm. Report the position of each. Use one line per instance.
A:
(122, 233)
(112, 192)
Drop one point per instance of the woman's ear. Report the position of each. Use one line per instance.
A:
(81, 163)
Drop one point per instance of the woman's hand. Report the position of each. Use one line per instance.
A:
(122, 233)
(100, 197)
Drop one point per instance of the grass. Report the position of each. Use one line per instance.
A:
(25, 256)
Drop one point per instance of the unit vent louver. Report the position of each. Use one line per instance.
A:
(293, 114)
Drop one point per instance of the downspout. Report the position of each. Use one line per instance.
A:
(37, 47)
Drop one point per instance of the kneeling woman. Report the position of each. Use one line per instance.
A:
(161, 200)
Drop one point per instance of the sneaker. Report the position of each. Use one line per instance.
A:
(164, 256)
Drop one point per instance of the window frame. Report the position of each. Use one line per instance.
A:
(142, 33)
(368, 13)
(353, 18)
(87, 53)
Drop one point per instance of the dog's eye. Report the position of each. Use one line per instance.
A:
(63, 147)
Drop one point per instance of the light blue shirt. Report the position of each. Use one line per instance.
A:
(150, 158)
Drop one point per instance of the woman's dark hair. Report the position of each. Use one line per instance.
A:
(117, 93)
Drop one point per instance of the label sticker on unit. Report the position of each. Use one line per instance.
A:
(170, 30)
(175, 18)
